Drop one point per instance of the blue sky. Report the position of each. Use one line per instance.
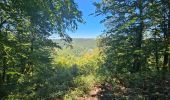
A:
(92, 28)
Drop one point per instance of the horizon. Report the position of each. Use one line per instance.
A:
(77, 38)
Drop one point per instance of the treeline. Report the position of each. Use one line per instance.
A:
(137, 35)
(136, 48)
(25, 27)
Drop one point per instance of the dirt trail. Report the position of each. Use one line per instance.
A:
(148, 89)
(99, 92)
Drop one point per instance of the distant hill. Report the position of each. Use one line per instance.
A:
(80, 42)
(78, 46)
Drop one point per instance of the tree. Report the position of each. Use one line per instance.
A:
(138, 21)
(165, 26)
(25, 27)
(126, 18)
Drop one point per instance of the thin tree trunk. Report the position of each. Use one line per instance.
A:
(31, 53)
(137, 57)
(4, 62)
(156, 51)
(164, 30)
(4, 70)
(168, 38)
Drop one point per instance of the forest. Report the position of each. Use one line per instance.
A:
(129, 60)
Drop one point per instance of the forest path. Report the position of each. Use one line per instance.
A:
(150, 89)
(99, 92)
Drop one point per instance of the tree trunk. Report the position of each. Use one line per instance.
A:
(4, 70)
(4, 60)
(31, 53)
(156, 51)
(166, 31)
(168, 38)
(138, 45)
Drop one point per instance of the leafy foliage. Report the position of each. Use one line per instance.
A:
(131, 59)
(25, 47)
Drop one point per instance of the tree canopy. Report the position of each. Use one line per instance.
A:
(25, 27)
